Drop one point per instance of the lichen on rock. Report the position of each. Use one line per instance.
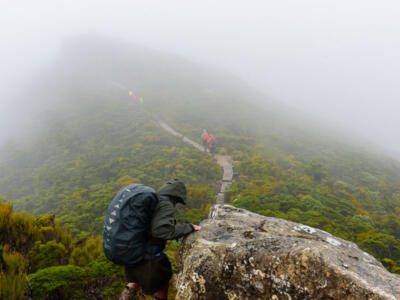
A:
(242, 255)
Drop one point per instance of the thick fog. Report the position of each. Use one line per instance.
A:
(337, 61)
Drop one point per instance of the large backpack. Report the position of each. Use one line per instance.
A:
(127, 224)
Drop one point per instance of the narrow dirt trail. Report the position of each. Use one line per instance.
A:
(224, 161)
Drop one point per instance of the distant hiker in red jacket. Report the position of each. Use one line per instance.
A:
(212, 143)
(204, 138)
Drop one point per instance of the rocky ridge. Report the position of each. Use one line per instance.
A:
(243, 255)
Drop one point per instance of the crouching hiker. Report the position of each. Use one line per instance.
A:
(138, 224)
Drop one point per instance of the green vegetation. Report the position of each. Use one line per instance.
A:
(13, 282)
(40, 251)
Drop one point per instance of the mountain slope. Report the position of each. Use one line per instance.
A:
(92, 137)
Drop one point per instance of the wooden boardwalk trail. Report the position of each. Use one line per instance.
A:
(224, 161)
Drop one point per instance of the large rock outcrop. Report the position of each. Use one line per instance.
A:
(242, 255)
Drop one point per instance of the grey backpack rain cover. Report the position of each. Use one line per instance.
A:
(127, 224)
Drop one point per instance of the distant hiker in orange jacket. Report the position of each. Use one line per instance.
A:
(212, 143)
(204, 138)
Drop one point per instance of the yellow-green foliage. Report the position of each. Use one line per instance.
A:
(83, 254)
(14, 261)
(5, 212)
(126, 180)
(100, 279)
(28, 243)
(62, 280)
(23, 228)
(40, 248)
(20, 231)
(47, 254)
(13, 286)
(391, 265)
(198, 205)
(13, 281)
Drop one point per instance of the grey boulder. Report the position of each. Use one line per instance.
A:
(242, 255)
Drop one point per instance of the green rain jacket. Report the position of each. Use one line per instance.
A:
(164, 226)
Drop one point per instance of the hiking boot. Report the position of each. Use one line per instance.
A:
(130, 294)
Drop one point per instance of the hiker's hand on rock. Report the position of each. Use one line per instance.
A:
(196, 227)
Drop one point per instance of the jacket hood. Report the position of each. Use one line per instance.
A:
(176, 189)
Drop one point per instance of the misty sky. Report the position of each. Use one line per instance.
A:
(336, 60)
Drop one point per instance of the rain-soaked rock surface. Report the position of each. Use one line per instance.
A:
(242, 255)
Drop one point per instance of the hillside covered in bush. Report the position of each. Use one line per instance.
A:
(88, 138)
